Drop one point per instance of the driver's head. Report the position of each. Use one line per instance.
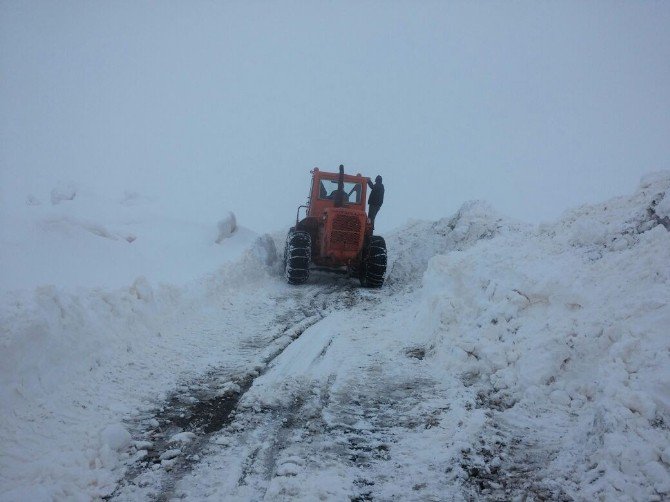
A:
(378, 179)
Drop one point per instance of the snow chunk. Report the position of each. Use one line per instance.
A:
(229, 388)
(225, 441)
(182, 437)
(142, 290)
(227, 227)
(586, 233)
(288, 469)
(264, 250)
(663, 207)
(170, 454)
(115, 436)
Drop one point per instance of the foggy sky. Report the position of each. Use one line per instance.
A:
(533, 106)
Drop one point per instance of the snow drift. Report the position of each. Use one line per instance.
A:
(567, 327)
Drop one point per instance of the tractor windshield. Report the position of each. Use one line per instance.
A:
(352, 191)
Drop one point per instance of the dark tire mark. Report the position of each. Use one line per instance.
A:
(506, 463)
(209, 404)
(206, 411)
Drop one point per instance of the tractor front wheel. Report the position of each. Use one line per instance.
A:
(297, 253)
(373, 265)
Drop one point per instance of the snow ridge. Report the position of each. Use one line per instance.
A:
(568, 330)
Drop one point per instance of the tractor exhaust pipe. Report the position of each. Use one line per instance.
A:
(339, 195)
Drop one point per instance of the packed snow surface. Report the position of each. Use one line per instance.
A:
(499, 360)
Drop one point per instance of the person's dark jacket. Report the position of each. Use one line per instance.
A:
(377, 194)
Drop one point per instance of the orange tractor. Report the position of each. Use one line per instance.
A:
(336, 233)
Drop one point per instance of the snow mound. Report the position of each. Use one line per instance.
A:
(412, 246)
(226, 226)
(566, 329)
(78, 358)
(91, 294)
(115, 437)
(617, 223)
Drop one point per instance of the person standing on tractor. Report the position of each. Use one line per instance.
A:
(376, 198)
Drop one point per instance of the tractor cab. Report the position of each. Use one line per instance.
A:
(326, 192)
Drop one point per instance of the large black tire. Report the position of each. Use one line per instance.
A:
(297, 253)
(373, 266)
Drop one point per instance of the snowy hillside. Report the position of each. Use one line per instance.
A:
(499, 360)
(73, 236)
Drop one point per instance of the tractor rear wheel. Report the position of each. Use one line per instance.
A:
(373, 266)
(297, 254)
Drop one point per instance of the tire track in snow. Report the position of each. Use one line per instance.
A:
(354, 427)
(510, 458)
(343, 424)
(208, 409)
(200, 408)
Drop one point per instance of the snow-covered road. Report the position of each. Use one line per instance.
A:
(341, 405)
(201, 409)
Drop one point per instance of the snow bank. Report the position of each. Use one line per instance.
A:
(97, 301)
(77, 363)
(568, 321)
(412, 246)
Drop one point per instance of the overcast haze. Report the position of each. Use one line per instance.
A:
(534, 107)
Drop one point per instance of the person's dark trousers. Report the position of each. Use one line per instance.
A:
(372, 212)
